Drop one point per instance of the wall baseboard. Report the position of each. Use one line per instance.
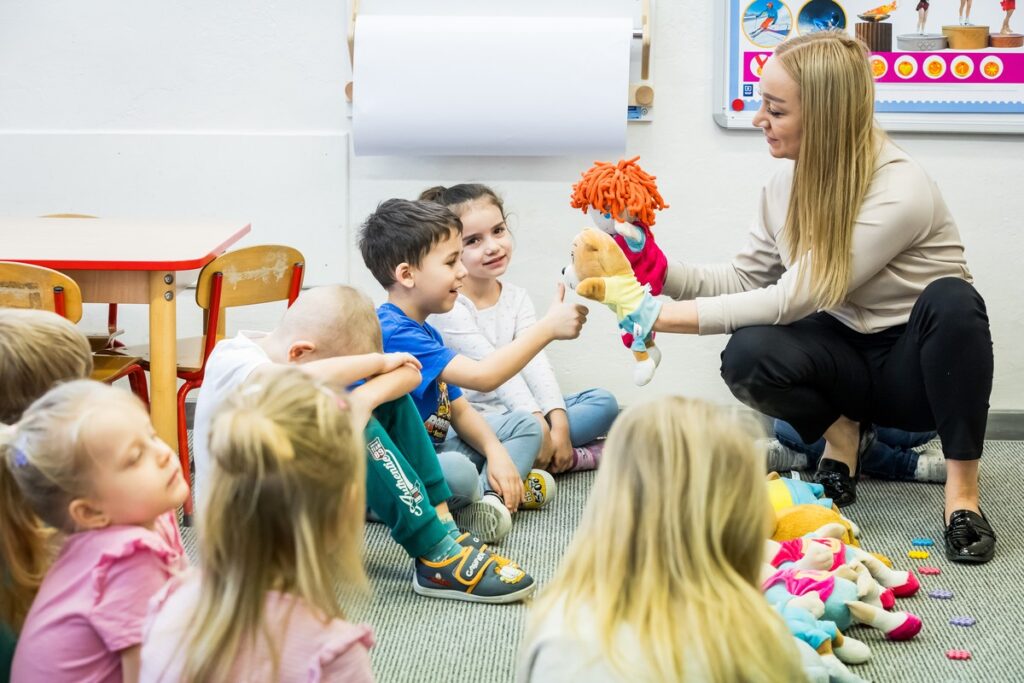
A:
(1005, 425)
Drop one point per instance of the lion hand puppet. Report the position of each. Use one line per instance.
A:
(600, 271)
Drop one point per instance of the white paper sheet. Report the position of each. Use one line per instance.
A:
(538, 86)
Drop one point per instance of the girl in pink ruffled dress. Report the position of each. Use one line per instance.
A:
(86, 459)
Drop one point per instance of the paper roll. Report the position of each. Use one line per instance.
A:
(537, 86)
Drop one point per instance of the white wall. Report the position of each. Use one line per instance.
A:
(258, 85)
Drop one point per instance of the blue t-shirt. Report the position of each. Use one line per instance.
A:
(433, 396)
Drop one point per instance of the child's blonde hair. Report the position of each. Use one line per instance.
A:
(37, 350)
(340, 319)
(670, 547)
(284, 513)
(46, 464)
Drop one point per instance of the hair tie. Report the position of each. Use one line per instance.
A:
(20, 457)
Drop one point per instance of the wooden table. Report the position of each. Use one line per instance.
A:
(130, 262)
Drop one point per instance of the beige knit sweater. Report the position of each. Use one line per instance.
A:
(904, 239)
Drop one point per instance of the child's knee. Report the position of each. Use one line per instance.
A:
(524, 425)
(606, 402)
(461, 475)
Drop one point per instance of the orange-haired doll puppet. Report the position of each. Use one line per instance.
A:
(621, 199)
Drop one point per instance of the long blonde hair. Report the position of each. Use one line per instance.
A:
(839, 145)
(670, 547)
(44, 465)
(284, 513)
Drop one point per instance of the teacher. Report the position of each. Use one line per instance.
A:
(852, 303)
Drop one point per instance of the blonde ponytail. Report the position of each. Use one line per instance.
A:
(284, 513)
(25, 552)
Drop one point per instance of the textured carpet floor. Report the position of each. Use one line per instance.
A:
(421, 639)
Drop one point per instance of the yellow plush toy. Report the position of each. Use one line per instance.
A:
(600, 271)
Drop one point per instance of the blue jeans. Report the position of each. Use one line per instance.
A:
(465, 469)
(590, 413)
(890, 457)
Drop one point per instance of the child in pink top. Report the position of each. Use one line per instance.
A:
(86, 459)
(282, 523)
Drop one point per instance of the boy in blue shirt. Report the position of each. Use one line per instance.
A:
(413, 249)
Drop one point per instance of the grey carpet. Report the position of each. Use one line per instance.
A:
(420, 639)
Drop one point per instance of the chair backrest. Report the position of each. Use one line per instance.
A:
(27, 286)
(254, 275)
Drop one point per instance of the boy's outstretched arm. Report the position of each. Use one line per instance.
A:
(562, 321)
(502, 474)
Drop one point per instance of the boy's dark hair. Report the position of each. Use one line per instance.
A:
(457, 197)
(403, 231)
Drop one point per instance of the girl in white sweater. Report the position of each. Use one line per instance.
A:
(490, 313)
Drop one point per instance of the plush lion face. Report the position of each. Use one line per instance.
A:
(595, 254)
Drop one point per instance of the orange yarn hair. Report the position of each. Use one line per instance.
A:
(614, 188)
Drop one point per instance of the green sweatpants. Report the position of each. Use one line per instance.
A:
(404, 480)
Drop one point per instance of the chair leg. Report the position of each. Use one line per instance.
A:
(183, 452)
(137, 381)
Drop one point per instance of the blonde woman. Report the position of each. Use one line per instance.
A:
(282, 523)
(681, 487)
(852, 303)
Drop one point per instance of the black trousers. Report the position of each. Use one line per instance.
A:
(933, 373)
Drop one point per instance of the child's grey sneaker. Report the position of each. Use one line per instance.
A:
(472, 576)
(931, 465)
(488, 518)
(782, 458)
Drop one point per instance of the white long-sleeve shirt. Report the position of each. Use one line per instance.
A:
(476, 333)
(904, 239)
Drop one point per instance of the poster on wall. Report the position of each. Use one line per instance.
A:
(943, 65)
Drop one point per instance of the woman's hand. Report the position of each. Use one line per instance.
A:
(504, 478)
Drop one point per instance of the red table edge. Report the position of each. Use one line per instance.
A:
(191, 264)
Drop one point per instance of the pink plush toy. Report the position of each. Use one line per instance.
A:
(844, 596)
(621, 199)
(822, 550)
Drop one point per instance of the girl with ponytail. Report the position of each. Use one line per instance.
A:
(281, 527)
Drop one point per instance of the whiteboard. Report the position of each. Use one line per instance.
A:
(912, 101)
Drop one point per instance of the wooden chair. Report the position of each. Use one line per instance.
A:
(26, 286)
(254, 275)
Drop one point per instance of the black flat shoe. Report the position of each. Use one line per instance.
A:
(969, 538)
(835, 476)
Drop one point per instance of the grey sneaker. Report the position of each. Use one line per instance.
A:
(782, 458)
(473, 576)
(931, 465)
(488, 518)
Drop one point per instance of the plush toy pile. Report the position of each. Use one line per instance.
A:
(822, 583)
